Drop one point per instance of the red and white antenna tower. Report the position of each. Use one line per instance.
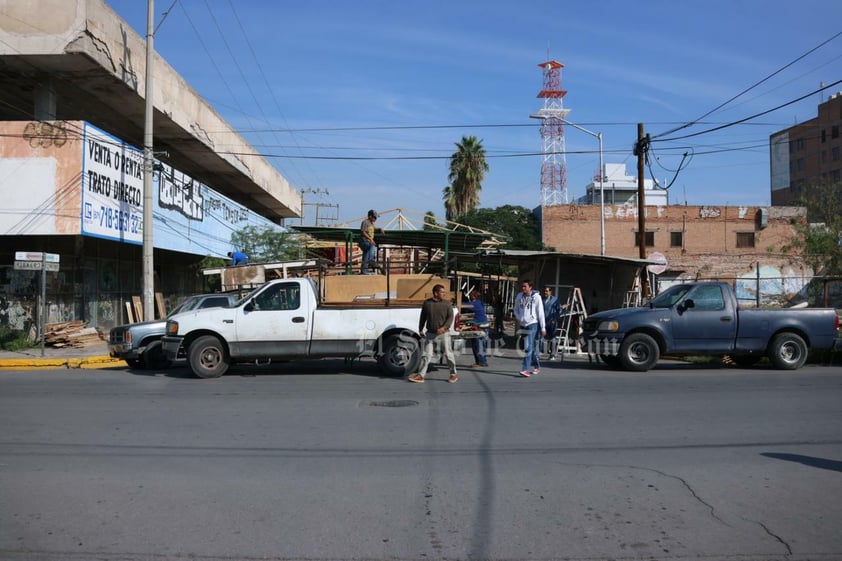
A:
(554, 164)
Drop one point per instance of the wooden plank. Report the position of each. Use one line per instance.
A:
(138, 307)
(159, 302)
(129, 313)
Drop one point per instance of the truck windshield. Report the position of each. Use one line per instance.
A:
(185, 306)
(670, 296)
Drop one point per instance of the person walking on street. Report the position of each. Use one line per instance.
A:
(480, 344)
(529, 314)
(434, 324)
(552, 311)
(367, 243)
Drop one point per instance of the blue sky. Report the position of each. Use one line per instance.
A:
(428, 73)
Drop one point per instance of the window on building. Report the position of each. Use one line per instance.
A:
(799, 144)
(745, 239)
(836, 175)
(799, 164)
(650, 239)
(834, 154)
(676, 239)
(834, 131)
(824, 156)
(824, 135)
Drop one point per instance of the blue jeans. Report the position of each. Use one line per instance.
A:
(479, 346)
(530, 356)
(369, 255)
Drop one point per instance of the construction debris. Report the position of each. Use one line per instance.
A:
(71, 334)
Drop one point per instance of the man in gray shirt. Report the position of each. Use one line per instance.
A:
(436, 318)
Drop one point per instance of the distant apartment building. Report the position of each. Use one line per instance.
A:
(809, 153)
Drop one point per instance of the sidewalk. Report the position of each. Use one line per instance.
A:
(89, 356)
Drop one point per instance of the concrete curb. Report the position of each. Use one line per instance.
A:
(83, 362)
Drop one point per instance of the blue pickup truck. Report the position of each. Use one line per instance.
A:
(704, 318)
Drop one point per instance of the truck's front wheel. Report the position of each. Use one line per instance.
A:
(399, 355)
(787, 351)
(208, 357)
(639, 352)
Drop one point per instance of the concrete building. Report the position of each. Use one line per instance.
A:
(809, 153)
(619, 188)
(72, 116)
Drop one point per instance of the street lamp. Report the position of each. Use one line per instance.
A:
(598, 136)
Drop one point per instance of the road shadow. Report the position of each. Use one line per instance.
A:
(310, 367)
(811, 461)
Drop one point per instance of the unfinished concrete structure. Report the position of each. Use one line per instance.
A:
(67, 66)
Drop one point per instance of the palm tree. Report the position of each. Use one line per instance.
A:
(467, 170)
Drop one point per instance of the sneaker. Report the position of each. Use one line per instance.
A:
(453, 378)
(536, 371)
(478, 365)
(525, 373)
(417, 378)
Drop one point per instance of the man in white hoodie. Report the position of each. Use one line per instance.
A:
(529, 314)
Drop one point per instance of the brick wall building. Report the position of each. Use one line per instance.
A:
(697, 241)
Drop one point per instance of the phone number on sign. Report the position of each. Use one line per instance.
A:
(119, 220)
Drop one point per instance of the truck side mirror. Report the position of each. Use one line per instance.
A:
(249, 306)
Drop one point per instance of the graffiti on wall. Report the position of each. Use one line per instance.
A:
(770, 285)
(42, 134)
(629, 211)
(710, 212)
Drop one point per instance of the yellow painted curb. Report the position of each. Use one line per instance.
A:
(86, 362)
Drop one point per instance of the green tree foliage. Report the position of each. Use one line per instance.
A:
(819, 238)
(265, 244)
(468, 167)
(430, 220)
(516, 223)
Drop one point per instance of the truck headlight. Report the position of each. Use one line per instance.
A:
(172, 328)
(610, 325)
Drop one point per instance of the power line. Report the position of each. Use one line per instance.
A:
(740, 121)
(776, 72)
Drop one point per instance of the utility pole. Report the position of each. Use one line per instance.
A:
(313, 191)
(148, 265)
(640, 150)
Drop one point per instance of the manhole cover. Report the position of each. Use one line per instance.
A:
(393, 403)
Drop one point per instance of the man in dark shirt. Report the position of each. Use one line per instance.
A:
(436, 318)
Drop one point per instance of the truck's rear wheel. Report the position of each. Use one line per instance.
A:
(400, 355)
(639, 352)
(208, 357)
(787, 351)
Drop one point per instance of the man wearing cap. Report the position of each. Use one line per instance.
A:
(367, 244)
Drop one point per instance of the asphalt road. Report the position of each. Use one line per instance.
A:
(315, 461)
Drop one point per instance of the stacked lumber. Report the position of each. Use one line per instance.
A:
(71, 334)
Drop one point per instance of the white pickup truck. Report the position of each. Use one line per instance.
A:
(284, 320)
